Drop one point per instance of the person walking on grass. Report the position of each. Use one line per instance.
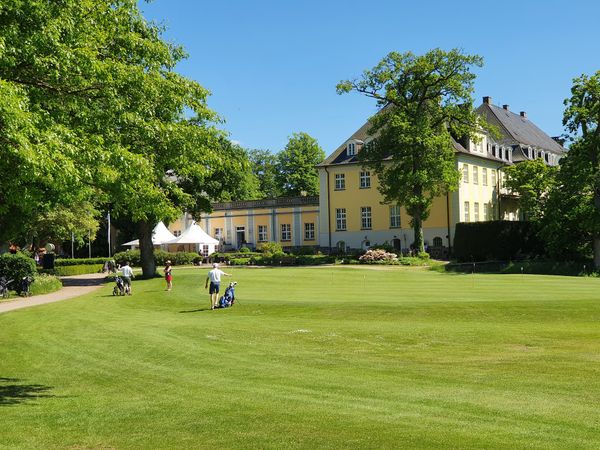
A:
(127, 276)
(168, 275)
(214, 277)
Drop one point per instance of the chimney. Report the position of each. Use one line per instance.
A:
(523, 114)
(505, 107)
(487, 100)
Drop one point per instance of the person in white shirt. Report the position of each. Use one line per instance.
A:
(214, 277)
(127, 276)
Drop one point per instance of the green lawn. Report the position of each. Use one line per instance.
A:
(342, 357)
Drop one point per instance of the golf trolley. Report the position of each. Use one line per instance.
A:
(4, 283)
(119, 288)
(26, 286)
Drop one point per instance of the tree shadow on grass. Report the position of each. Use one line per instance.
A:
(13, 391)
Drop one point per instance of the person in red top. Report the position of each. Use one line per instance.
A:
(168, 275)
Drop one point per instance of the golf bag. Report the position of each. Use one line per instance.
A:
(119, 288)
(4, 283)
(26, 286)
(228, 298)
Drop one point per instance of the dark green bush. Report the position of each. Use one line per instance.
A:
(15, 267)
(496, 240)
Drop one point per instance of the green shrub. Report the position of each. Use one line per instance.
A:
(239, 261)
(16, 267)
(244, 249)
(44, 284)
(271, 248)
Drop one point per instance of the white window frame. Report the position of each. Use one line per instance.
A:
(263, 233)
(494, 177)
(465, 173)
(395, 216)
(340, 181)
(365, 179)
(218, 233)
(351, 149)
(366, 218)
(475, 175)
(467, 212)
(340, 219)
(484, 180)
(476, 212)
(286, 232)
(309, 231)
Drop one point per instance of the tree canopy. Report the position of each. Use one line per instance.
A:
(296, 165)
(91, 109)
(425, 101)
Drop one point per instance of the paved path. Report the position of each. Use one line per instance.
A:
(73, 286)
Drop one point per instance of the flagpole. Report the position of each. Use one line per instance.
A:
(108, 217)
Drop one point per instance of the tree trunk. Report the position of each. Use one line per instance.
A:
(146, 249)
(418, 230)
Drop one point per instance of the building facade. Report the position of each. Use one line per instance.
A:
(352, 212)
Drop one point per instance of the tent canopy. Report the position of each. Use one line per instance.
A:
(194, 235)
(160, 235)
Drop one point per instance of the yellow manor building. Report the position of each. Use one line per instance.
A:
(349, 212)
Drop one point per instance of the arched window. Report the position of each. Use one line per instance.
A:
(437, 241)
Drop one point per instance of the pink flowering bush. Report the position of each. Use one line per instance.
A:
(374, 256)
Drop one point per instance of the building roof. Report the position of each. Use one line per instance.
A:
(517, 129)
(160, 235)
(194, 235)
(279, 202)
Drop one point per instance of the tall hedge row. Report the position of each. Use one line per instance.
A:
(496, 240)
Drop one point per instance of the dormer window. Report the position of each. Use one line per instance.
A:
(529, 152)
(351, 149)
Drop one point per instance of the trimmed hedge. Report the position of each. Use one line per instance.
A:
(160, 258)
(79, 261)
(496, 240)
(15, 267)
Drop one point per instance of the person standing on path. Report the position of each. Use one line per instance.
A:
(214, 277)
(168, 275)
(127, 276)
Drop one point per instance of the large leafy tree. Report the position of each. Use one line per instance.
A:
(532, 180)
(91, 108)
(264, 168)
(296, 165)
(579, 180)
(424, 101)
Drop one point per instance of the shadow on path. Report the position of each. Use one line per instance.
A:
(82, 281)
(13, 392)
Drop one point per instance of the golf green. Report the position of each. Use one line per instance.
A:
(328, 357)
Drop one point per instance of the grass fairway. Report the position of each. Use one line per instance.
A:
(330, 357)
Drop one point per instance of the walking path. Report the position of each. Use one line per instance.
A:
(73, 286)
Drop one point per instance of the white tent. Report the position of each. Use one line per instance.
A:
(196, 236)
(160, 236)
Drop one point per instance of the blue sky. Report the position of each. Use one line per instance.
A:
(272, 66)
